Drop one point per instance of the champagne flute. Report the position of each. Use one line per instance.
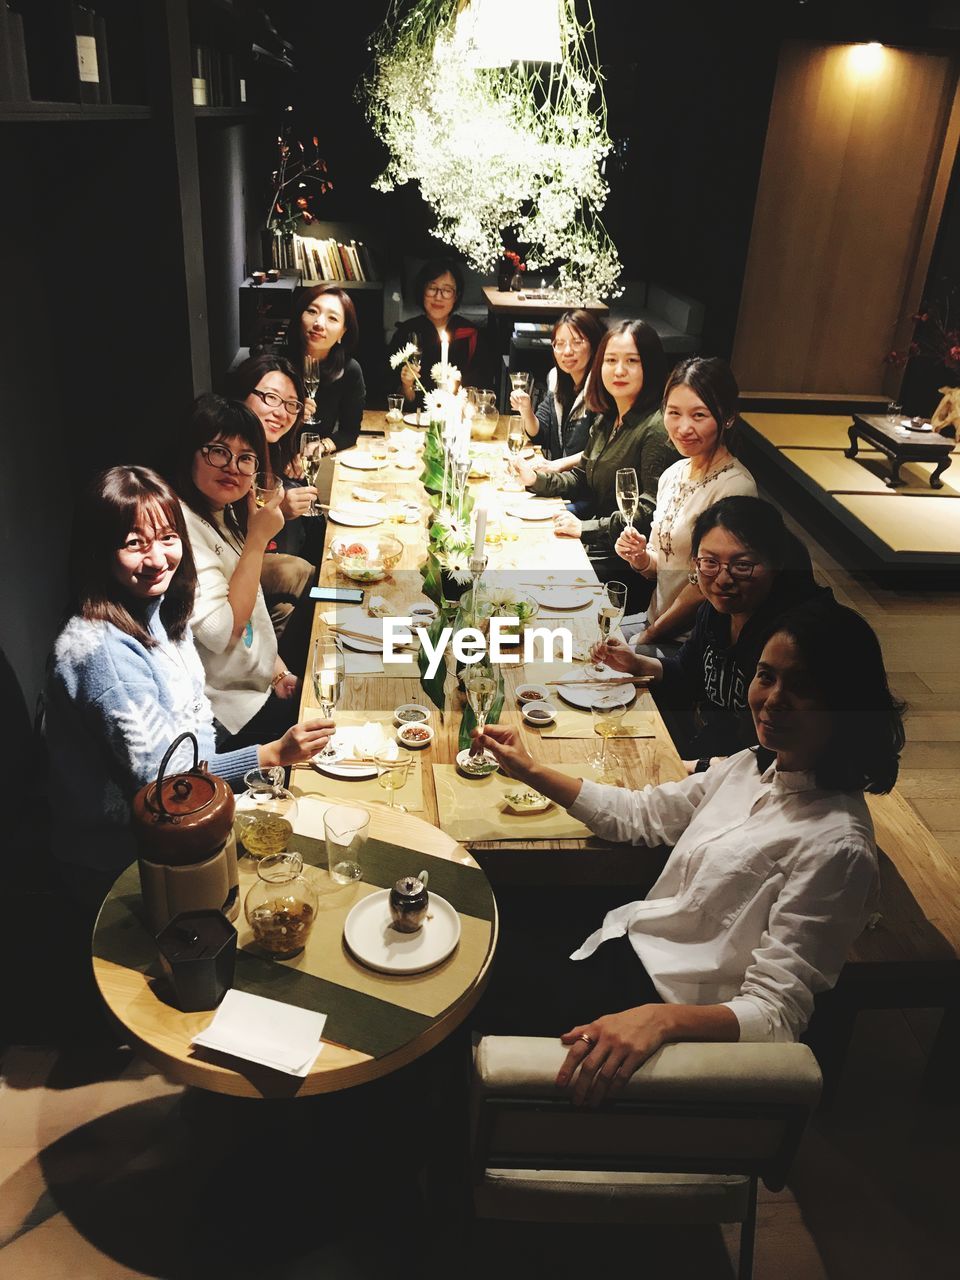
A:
(392, 775)
(519, 381)
(311, 456)
(480, 683)
(608, 710)
(328, 676)
(311, 380)
(515, 435)
(610, 607)
(628, 494)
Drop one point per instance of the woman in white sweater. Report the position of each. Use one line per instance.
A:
(772, 873)
(699, 413)
(217, 457)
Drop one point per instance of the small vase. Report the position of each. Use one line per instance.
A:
(516, 284)
(505, 275)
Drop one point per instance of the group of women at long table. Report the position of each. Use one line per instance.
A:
(775, 694)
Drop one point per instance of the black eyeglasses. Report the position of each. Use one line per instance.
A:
(708, 567)
(219, 456)
(440, 291)
(273, 401)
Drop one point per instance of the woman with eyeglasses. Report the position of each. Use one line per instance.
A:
(750, 570)
(126, 678)
(771, 876)
(561, 423)
(623, 393)
(439, 287)
(323, 329)
(215, 461)
(699, 412)
(271, 387)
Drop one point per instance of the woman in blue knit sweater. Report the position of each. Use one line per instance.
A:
(126, 678)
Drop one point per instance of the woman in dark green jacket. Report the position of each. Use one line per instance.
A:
(625, 388)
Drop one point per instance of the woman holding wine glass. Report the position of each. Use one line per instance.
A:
(623, 392)
(321, 338)
(126, 678)
(699, 411)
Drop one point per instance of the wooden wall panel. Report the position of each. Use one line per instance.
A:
(850, 177)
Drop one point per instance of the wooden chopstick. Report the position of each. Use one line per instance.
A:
(362, 635)
(606, 684)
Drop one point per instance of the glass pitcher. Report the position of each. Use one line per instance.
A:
(265, 813)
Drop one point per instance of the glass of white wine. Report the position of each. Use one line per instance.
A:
(311, 456)
(608, 710)
(311, 380)
(328, 676)
(266, 488)
(628, 493)
(480, 682)
(515, 435)
(610, 607)
(392, 775)
(378, 448)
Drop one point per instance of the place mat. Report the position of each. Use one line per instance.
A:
(474, 808)
(573, 723)
(326, 957)
(364, 791)
(371, 664)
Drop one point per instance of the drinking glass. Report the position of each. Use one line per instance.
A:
(345, 829)
(608, 710)
(311, 380)
(894, 412)
(311, 456)
(628, 494)
(519, 381)
(392, 775)
(328, 675)
(515, 435)
(610, 607)
(395, 408)
(266, 489)
(377, 445)
(480, 682)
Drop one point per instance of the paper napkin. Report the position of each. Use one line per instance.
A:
(265, 1031)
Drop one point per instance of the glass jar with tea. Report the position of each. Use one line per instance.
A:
(282, 905)
(265, 813)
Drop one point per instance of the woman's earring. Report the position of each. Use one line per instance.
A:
(692, 577)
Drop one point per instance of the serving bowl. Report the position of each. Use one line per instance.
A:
(415, 736)
(367, 559)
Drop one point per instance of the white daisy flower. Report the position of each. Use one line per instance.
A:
(404, 355)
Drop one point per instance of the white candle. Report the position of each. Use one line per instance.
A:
(480, 532)
(444, 351)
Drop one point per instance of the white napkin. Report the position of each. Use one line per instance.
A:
(265, 1031)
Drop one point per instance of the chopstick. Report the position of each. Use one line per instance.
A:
(606, 684)
(362, 635)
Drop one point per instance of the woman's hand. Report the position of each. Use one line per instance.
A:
(520, 402)
(408, 380)
(524, 472)
(544, 466)
(566, 525)
(632, 547)
(298, 744)
(620, 1042)
(309, 409)
(505, 745)
(298, 501)
(619, 655)
(287, 685)
(263, 523)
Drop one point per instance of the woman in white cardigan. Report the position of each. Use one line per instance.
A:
(772, 873)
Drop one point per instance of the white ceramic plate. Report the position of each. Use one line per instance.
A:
(356, 517)
(533, 511)
(371, 938)
(541, 804)
(360, 461)
(582, 696)
(359, 771)
(412, 421)
(405, 460)
(562, 597)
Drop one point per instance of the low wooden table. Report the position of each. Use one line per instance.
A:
(376, 1022)
(901, 446)
(506, 307)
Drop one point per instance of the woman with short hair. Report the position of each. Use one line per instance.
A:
(438, 287)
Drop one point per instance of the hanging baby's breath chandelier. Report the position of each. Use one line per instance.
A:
(516, 147)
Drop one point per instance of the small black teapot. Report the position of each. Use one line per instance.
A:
(409, 901)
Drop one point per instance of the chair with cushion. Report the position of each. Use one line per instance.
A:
(685, 1142)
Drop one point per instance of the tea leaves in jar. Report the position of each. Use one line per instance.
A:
(281, 925)
(262, 834)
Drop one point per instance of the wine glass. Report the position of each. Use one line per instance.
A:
(311, 380)
(394, 418)
(328, 676)
(515, 435)
(608, 710)
(628, 493)
(266, 488)
(519, 381)
(311, 456)
(480, 683)
(610, 607)
(392, 775)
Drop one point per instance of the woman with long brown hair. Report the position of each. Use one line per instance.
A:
(322, 337)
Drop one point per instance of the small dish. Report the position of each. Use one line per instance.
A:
(478, 770)
(415, 736)
(526, 800)
(371, 938)
(423, 614)
(532, 693)
(410, 713)
(539, 714)
(368, 559)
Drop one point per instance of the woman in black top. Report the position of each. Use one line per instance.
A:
(561, 423)
(323, 326)
(439, 286)
(751, 570)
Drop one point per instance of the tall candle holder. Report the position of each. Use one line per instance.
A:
(477, 566)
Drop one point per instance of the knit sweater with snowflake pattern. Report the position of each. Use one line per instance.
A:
(113, 706)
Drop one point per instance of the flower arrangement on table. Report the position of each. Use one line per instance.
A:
(296, 184)
(937, 338)
(509, 272)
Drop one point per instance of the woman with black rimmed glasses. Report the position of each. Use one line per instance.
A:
(438, 287)
(215, 461)
(751, 570)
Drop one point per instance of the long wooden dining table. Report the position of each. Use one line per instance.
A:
(526, 555)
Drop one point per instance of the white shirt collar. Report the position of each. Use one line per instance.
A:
(784, 780)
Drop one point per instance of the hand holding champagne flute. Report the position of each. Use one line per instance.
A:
(311, 456)
(610, 607)
(481, 686)
(628, 494)
(328, 677)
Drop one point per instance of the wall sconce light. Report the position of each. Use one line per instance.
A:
(866, 59)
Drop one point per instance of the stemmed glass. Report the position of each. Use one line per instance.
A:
(610, 607)
(392, 775)
(608, 710)
(519, 381)
(266, 488)
(328, 677)
(311, 456)
(480, 683)
(628, 494)
(311, 380)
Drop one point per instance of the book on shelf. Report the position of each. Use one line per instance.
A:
(330, 260)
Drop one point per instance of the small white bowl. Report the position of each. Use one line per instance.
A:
(539, 714)
(412, 744)
(532, 693)
(423, 614)
(422, 718)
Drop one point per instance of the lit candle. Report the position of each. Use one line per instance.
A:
(480, 532)
(444, 351)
